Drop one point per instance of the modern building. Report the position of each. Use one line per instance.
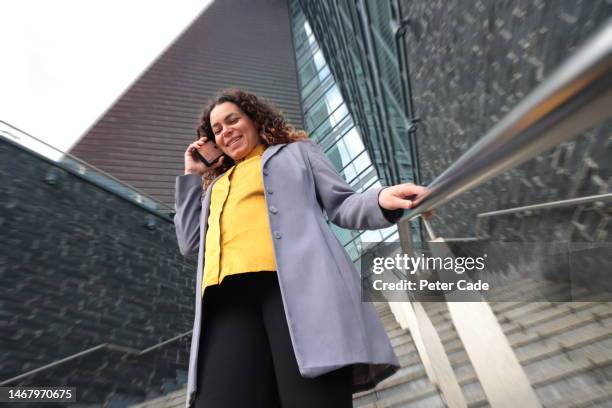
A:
(141, 138)
(393, 92)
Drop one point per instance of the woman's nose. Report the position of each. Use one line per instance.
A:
(225, 133)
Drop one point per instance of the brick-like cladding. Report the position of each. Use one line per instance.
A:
(470, 63)
(234, 43)
(79, 267)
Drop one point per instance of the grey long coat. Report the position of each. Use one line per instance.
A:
(329, 325)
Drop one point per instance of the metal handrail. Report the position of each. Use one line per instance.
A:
(577, 95)
(109, 346)
(542, 206)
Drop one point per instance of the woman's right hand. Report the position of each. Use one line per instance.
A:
(193, 165)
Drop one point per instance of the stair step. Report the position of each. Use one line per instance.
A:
(590, 398)
(562, 322)
(175, 399)
(532, 314)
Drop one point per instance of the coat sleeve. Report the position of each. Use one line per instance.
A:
(188, 206)
(345, 207)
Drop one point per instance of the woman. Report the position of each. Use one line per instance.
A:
(276, 293)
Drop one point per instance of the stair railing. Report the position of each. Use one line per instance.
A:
(577, 95)
(598, 198)
(128, 351)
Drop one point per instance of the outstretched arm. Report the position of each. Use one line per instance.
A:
(344, 206)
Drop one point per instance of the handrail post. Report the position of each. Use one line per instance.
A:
(412, 315)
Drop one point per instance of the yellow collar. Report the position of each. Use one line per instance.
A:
(257, 151)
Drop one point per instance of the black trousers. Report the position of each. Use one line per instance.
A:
(246, 358)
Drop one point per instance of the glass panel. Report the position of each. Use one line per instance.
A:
(334, 134)
(308, 52)
(311, 67)
(304, 43)
(308, 70)
(315, 81)
(318, 91)
(324, 106)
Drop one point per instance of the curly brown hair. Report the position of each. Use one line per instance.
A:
(274, 128)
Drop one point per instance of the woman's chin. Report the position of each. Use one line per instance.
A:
(238, 154)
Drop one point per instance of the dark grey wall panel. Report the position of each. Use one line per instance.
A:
(79, 267)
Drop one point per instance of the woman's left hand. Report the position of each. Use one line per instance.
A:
(402, 196)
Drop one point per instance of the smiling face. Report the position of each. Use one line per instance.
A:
(235, 133)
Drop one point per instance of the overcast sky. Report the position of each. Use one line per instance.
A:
(64, 62)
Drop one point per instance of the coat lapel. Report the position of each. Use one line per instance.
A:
(270, 151)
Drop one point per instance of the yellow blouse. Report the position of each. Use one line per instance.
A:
(238, 238)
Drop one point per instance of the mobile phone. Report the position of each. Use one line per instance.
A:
(208, 153)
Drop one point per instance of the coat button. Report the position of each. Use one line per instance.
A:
(265, 172)
(277, 235)
(273, 209)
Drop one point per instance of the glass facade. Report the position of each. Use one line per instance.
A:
(329, 122)
(360, 41)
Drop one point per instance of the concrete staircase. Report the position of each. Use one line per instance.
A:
(565, 349)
